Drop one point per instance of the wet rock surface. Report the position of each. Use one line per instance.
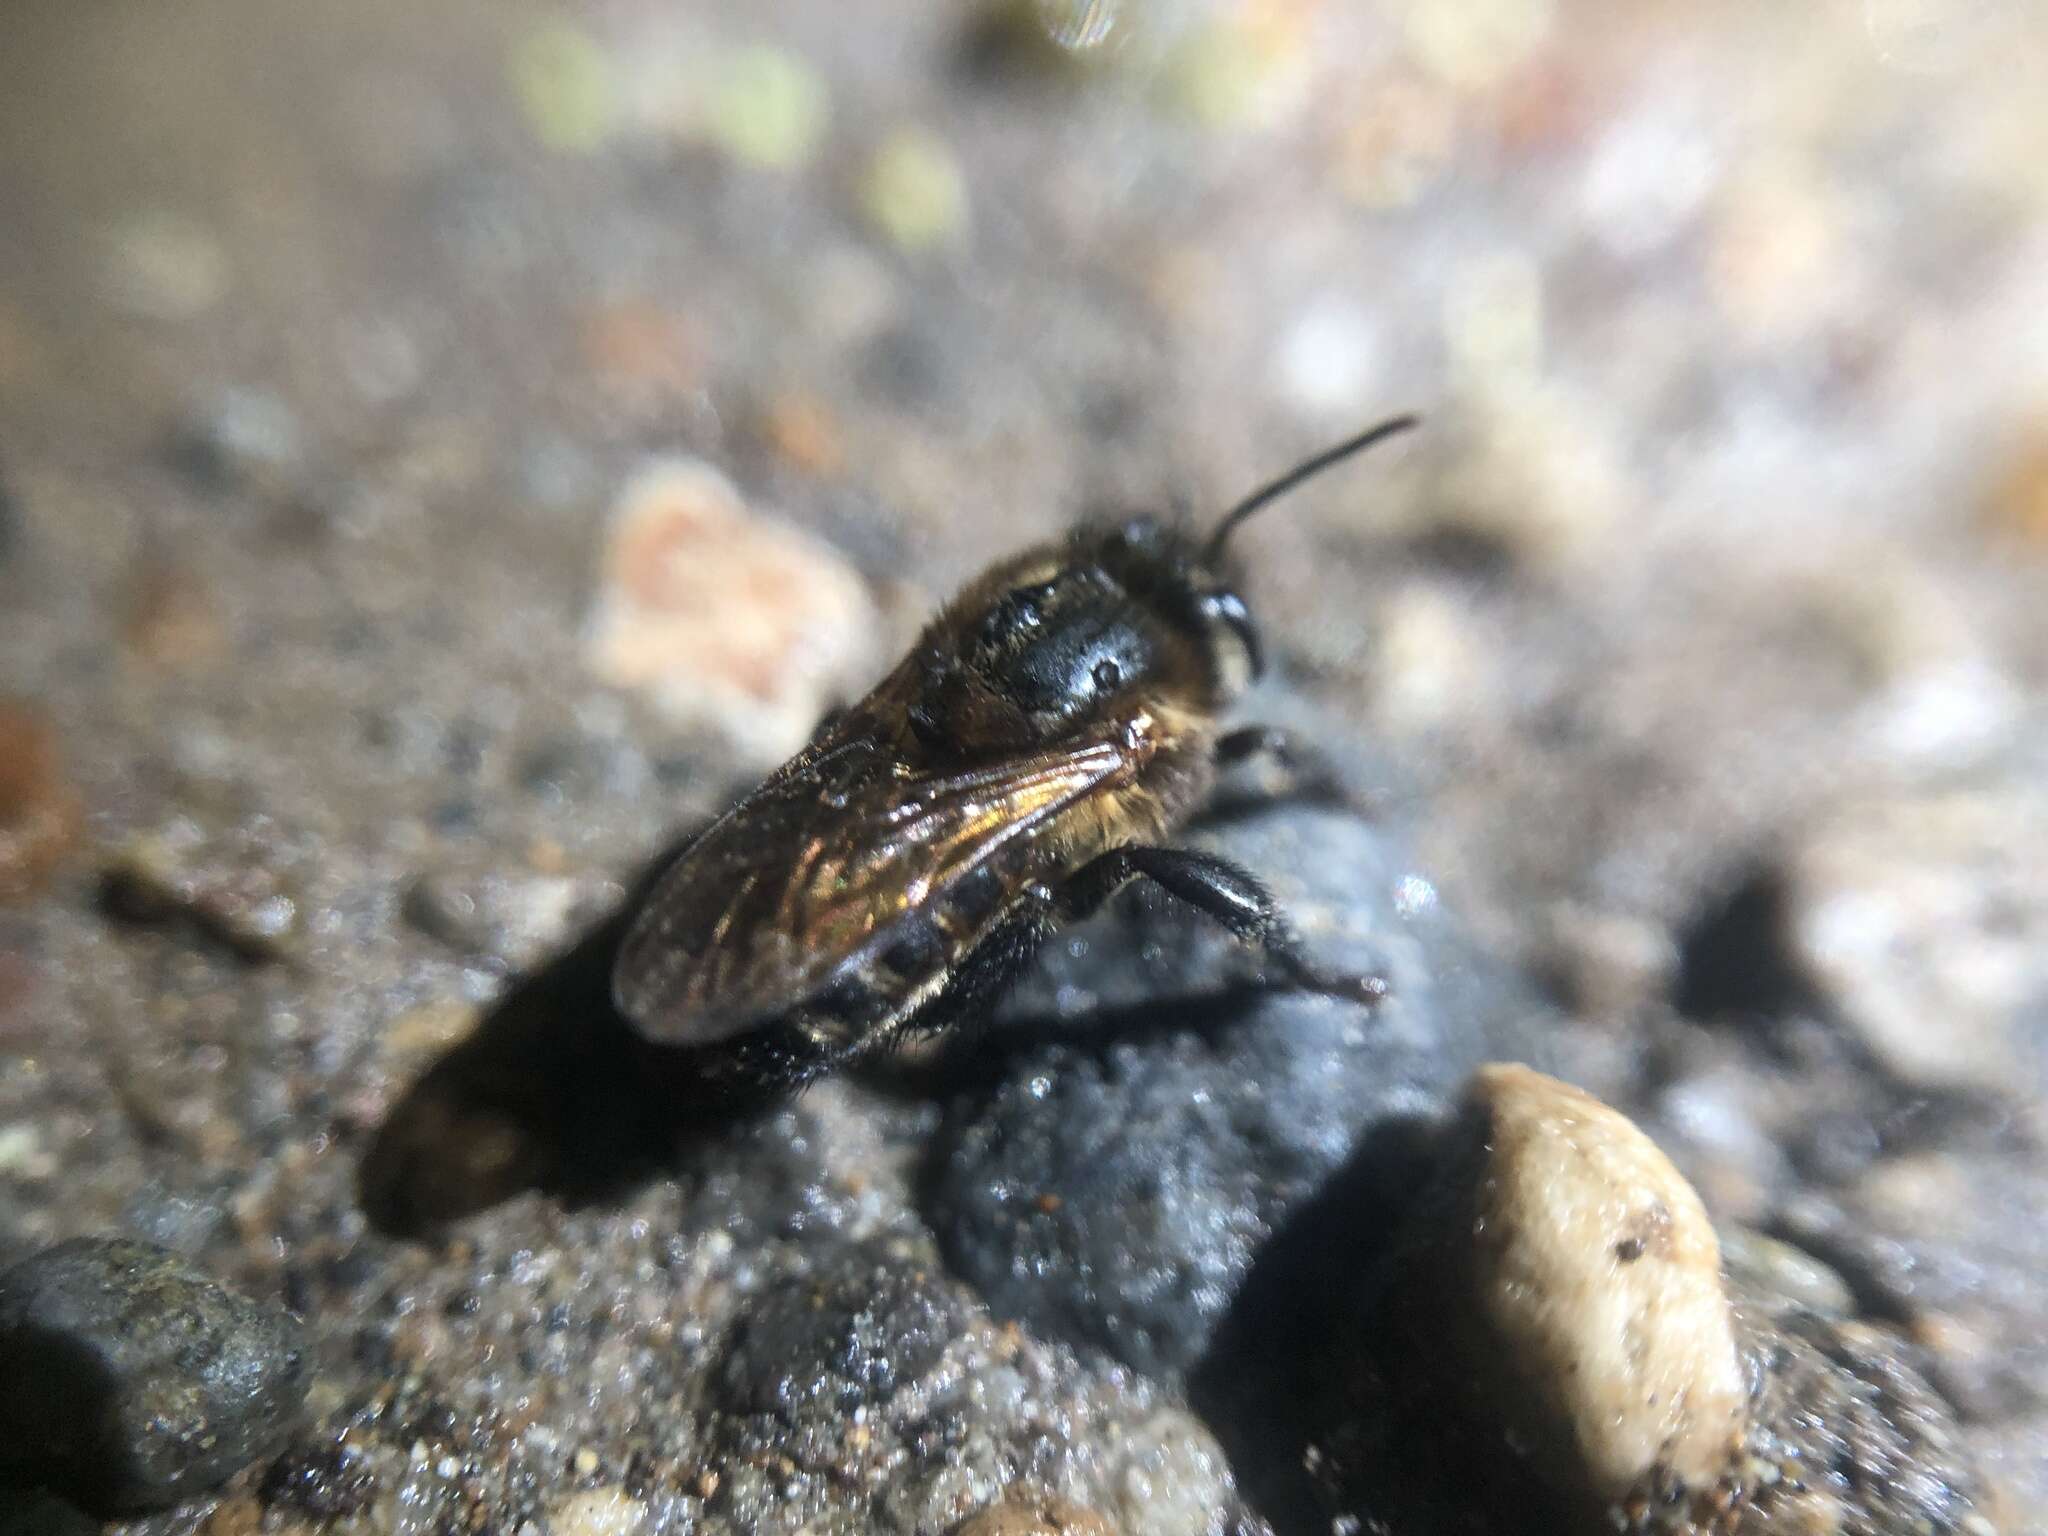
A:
(1153, 1111)
(1698, 639)
(135, 1381)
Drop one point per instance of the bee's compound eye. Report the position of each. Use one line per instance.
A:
(1107, 675)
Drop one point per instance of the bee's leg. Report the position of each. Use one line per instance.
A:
(1307, 774)
(1220, 890)
(991, 968)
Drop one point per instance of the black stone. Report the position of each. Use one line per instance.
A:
(133, 1381)
(865, 1321)
(1152, 1111)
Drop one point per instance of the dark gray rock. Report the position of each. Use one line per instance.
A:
(869, 1318)
(1149, 1117)
(134, 1381)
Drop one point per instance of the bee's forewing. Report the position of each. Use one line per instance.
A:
(817, 870)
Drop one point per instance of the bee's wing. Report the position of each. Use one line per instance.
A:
(813, 872)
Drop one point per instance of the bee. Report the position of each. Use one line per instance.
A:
(1048, 731)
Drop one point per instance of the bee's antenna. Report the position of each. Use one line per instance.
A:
(1392, 427)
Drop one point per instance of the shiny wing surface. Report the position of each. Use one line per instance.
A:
(816, 870)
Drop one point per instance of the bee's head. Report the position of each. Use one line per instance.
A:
(1077, 637)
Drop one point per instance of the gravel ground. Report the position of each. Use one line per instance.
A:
(445, 452)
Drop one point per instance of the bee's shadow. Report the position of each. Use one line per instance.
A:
(553, 1091)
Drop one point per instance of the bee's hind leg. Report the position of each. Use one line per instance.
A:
(987, 971)
(1222, 891)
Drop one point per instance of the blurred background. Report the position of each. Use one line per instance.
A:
(443, 447)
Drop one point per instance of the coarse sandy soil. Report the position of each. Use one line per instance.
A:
(1690, 659)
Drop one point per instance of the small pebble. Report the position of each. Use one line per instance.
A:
(421, 1034)
(222, 886)
(913, 192)
(1493, 318)
(323, 1480)
(767, 108)
(1235, 65)
(1398, 144)
(40, 812)
(1570, 1283)
(597, 1512)
(2017, 502)
(802, 429)
(1037, 1515)
(444, 910)
(562, 77)
(1608, 964)
(171, 619)
(644, 354)
(1531, 474)
(865, 1321)
(165, 265)
(244, 440)
(1473, 44)
(1923, 919)
(725, 619)
(136, 1381)
(1781, 261)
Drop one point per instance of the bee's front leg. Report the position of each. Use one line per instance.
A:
(1220, 890)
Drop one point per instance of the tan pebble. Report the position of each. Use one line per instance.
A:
(171, 620)
(723, 619)
(597, 1512)
(1399, 142)
(2018, 499)
(564, 80)
(1923, 909)
(802, 429)
(1426, 668)
(1036, 1515)
(39, 810)
(1530, 472)
(234, 1517)
(1238, 65)
(767, 108)
(1600, 1333)
(428, 1029)
(1778, 242)
(706, 1484)
(1609, 963)
(642, 353)
(1475, 43)
(167, 266)
(913, 191)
